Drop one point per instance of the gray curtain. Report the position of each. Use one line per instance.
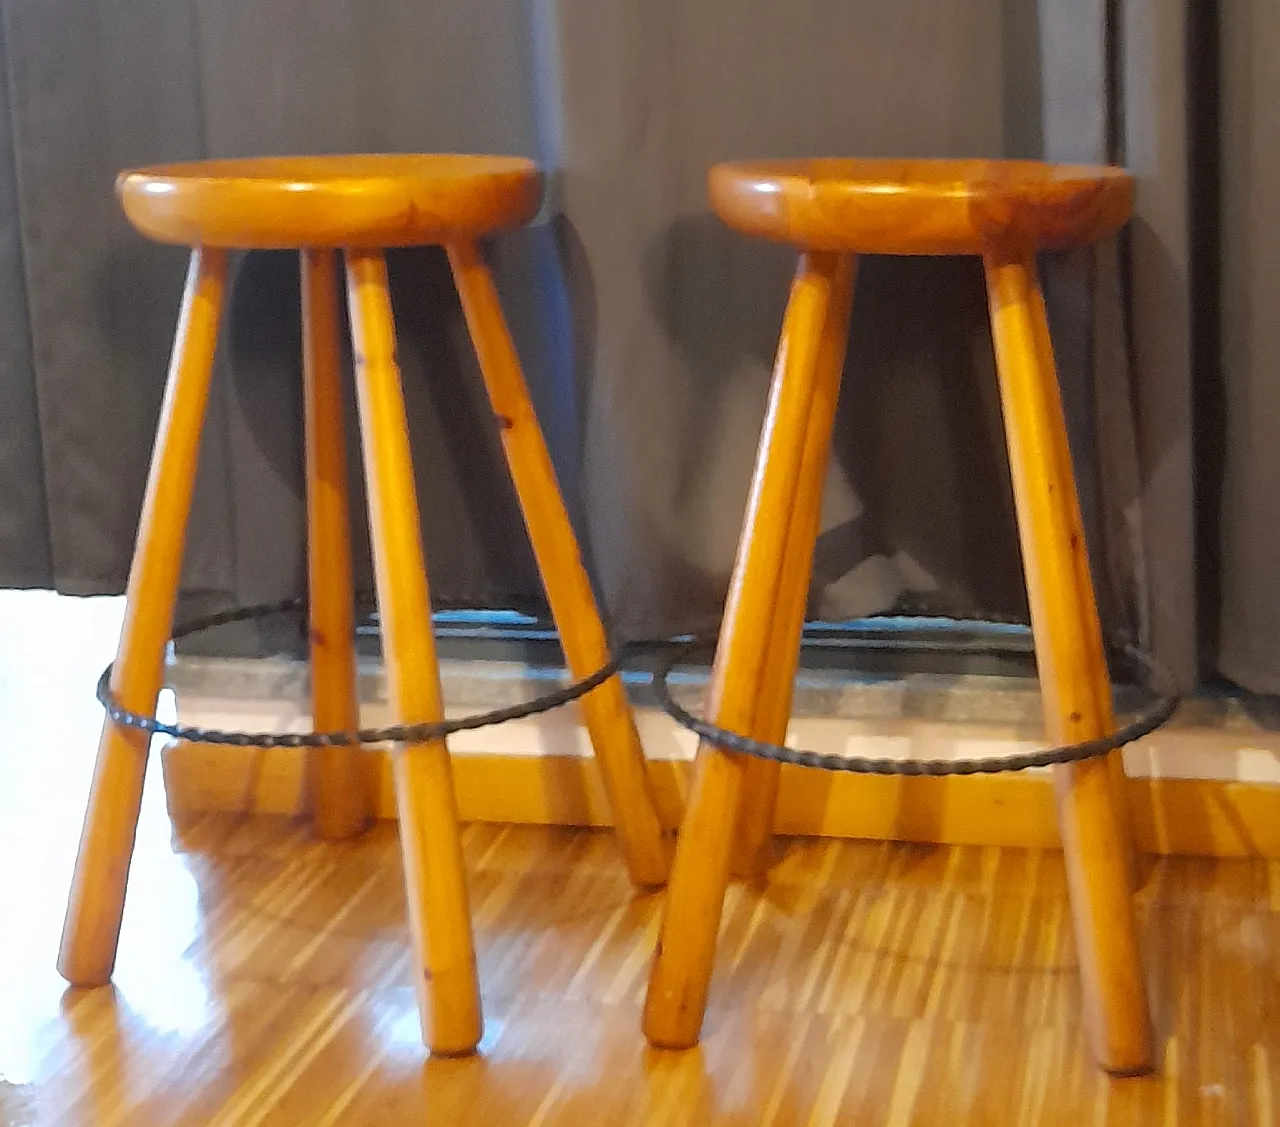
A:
(1242, 494)
(647, 330)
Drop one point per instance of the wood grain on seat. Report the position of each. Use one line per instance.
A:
(922, 206)
(331, 201)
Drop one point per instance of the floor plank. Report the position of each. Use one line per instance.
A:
(263, 975)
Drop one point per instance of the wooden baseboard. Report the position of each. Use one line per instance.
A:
(1194, 816)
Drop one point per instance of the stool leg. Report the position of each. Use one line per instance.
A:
(683, 962)
(91, 932)
(760, 776)
(1124, 815)
(435, 879)
(606, 711)
(1073, 672)
(336, 773)
(1091, 630)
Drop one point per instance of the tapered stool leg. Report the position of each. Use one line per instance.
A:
(760, 776)
(606, 710)
(681, 975)
(91, 932)
(1073, 672)
(435, 879)
(336, 775)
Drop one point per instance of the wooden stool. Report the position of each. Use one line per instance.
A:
(833, 210)
(359, 204)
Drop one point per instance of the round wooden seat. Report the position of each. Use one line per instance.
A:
(331, 201)
(922, 206)
(358, 205)
(835, 210)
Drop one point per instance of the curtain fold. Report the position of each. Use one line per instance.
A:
(1242, 397)
(647, 328)
(26, 555)
(1151, 106)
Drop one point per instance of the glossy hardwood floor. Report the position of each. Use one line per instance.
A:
(263, 975)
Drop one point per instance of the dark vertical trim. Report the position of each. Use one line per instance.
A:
(1114, 73)
(1208, 389)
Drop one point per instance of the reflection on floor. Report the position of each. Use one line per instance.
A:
(263, 976)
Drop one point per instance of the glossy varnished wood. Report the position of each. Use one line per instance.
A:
(1005, 211)
(1206, 817)
(761, 776)
(366, 200)
(1075, 683)
(921, 206)
(606, 711)
(264, 976)
(96, 900)
(361, 204)
(434, 875)
(337, 773)
(685, 955)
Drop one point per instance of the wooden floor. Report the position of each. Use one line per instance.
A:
(263, 977)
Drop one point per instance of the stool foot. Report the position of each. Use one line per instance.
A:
(91, 932)
(1073, 672)
(435, 877)
(761, 776)
(606, 711)
(336, 774)
(682, 967)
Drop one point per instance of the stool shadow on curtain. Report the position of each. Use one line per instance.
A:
(461, 475)
(918, 499)
(717, 298)
(920, 441)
